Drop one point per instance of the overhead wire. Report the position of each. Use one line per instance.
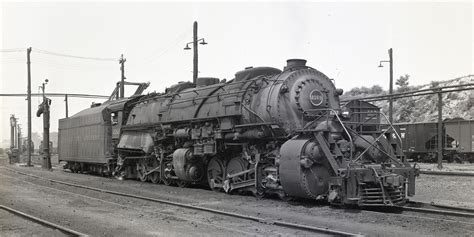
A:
(15, 50)
(74, 56)
(66, 64)
(157, 53)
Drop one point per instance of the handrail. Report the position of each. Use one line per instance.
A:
(372, 145)
(380, 136)
(391, 127)
(196, 89)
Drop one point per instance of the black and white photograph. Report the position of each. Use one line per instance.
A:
(236, 118)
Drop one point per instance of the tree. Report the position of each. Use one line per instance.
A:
(376, 89)
(406, 107)
(402, 83)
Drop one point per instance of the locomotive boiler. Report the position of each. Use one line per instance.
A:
(266, 132)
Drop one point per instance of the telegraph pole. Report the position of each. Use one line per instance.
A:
(122, 81)
(28, 63)
(195, 55)
(12, 132)
(19, 139)
(65, 100)
(195, 50)
(440, 130)
(390, 90)
(390, 102)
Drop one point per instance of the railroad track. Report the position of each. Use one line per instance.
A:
(314, 229)
(423, 207)
(43, 222)
(447, 173)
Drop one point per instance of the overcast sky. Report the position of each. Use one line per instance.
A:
(345, 40)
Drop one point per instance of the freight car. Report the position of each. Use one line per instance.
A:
(420, 140)
(267, 131)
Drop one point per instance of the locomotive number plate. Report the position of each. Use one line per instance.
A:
(316, 97)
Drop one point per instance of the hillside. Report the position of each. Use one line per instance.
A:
(424, 108)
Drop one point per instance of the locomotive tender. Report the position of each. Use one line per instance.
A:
(267, 131)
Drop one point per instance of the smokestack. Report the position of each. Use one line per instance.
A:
(291, 63)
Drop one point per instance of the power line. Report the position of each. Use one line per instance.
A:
(74, 56)
(12, 50)
(157, 53)
(63, 66)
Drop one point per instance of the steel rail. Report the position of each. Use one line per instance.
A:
(105, 200)
(199, 208)
(43, 222)
(439, 212)
(446, 173)
(442, 206)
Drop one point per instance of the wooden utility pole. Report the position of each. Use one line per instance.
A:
(440, 130)
(12, 156)
(12, 132)
(46, 151)
(195, 50)
(195, 55)
(390, 101)
(28, 62)
(67, 109)
(19, 138)
(122, 81)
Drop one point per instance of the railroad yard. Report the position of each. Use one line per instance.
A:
(324, 119)
(40, 193)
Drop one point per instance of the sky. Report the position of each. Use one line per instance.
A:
(346, 40)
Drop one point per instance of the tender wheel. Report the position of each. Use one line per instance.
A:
(141, 171)
(102, 171)
(154, 177)
(215, 174)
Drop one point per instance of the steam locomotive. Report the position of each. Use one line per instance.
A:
(267, 132)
